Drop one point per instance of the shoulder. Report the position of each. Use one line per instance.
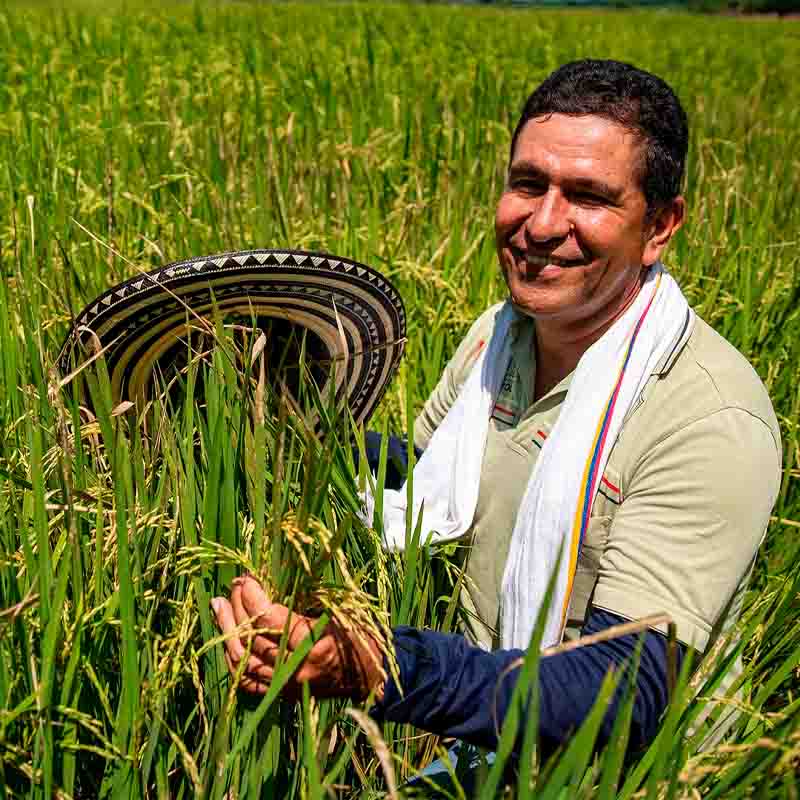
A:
(709, 397)
(722, 379)
(455, 373)
(734, 381)
(477, 337)
(484, 325)
(710, 377)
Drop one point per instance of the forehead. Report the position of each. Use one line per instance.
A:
(585, 146)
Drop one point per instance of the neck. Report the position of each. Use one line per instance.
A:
(561, 343)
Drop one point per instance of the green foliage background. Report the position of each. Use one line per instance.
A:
(381, 133)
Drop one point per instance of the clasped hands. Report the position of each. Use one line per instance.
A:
(339, 664)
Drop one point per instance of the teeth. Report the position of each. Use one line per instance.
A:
(537, 261)
(542, 261)
(534, 261)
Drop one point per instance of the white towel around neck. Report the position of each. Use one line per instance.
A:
(447, 476)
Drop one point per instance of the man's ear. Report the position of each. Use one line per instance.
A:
(663, 225)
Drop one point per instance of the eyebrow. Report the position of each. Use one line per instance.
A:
(522, 169)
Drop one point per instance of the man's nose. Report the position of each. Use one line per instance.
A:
(549, 218)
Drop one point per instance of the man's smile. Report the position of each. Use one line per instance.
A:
(540, 261)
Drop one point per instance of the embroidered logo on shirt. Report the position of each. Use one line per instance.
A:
(607, 488)
(505, 409)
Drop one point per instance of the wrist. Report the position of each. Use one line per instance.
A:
(349, 663)
(371, 673)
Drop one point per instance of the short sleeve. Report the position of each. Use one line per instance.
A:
(453, 377)
(690, 524)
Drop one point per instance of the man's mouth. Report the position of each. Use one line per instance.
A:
(538, 261)
(545, 261)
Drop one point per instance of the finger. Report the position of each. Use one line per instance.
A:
(255, 669)
(255, 603)
(223, 612)
(272, 616)
(264, 652)
(259, 672)
(227, 624)
(264, 645)
(239, 614)
(268, 618)
(254, 687)
(234, 649)
(247, 683)
(216, 607)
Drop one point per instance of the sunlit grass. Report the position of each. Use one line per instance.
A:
(380, 133)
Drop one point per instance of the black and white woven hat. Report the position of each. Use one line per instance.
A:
(144, 324)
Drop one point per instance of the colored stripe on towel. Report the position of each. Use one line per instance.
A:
(590, 477)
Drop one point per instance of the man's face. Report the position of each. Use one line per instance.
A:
(571, 226)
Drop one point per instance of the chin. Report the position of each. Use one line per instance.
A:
(525, 310)
(532, 300)
(531, 307)
(541, 307)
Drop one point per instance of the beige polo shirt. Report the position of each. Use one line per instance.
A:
(682, 506)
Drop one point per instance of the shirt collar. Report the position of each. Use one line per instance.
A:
(523, 325)
(676, 348)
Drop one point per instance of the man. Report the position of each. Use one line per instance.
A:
(680, 441)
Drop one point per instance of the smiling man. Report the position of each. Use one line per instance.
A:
(591, 411)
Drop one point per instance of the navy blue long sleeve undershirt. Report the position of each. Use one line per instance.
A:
(450, 685)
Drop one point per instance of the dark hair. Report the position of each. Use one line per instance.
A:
(631, 97)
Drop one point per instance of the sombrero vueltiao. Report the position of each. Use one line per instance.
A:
(144, 322)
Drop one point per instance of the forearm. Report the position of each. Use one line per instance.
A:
(448, 685)
(451, 688)
(396, 457)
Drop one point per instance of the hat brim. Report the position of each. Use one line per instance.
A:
(351, 319)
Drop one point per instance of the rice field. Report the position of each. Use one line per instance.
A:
(131, 137)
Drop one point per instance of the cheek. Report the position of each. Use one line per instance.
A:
(596, 226)
(603, 231)
(510, 214)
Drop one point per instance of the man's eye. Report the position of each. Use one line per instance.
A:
(589, 199)
(529, 187)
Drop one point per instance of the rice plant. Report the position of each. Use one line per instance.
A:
(381, 133)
